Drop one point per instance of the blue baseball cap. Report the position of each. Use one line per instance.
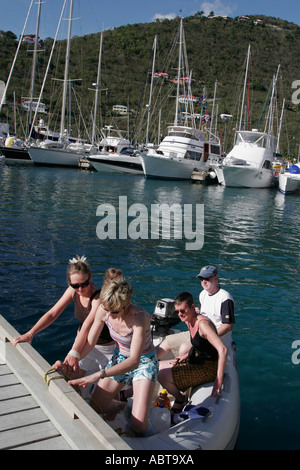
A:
(208, 271)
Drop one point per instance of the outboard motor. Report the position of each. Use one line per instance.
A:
(164, 316)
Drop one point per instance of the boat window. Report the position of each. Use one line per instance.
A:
(267, 164)
(187, 135)
(193, 155)
(259, 140)
(127, 151)
(215, 149)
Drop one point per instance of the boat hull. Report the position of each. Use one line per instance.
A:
(54, 157)
(218, 431)
(167, 168)
(289, 183)
(235, 176)
(17, 155)
(116, 164)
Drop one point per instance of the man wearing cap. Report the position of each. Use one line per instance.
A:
(216, 303)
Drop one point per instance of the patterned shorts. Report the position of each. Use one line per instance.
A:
(147, 368)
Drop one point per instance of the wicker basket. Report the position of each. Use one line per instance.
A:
(187, 375)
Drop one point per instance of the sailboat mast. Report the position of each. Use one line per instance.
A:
(179, 72)
(280, 126)
(47, 69)
(67, 60)
(34, 62)
(97, 88)
(213, 108)
(151, 89)
(15, 58)
(269, 120)
(245, 85)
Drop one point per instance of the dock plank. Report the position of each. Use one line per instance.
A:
(22, 418)
(8, 379)
(12, 405)
(27, 435)
(57, 443)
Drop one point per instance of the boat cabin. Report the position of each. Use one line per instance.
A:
(256, 138)
(186, 132)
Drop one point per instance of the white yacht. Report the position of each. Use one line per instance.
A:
(182, 151)
(185, 148)
(124, 162)
(116, 155)
(249, 163)
(289, 181)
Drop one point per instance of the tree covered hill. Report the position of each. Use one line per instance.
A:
(216, 50)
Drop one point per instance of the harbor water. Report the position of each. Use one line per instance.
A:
(49, 215)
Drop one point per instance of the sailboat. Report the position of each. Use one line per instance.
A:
(250, 162)
(185, 148)
(62, 152)
(15, 149)
(118, 155)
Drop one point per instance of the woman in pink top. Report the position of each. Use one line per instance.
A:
(134, 360)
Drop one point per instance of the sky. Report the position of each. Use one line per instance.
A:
(92, 16)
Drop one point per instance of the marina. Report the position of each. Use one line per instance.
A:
(49, 214)
(188, 188)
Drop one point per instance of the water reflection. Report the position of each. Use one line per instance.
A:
(49, 215)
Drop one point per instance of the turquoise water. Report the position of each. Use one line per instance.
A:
(49, 215)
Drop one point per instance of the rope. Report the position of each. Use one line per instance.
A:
(47, 381)
(65, 377)
(59, 376)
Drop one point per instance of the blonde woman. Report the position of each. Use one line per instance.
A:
(134, 359)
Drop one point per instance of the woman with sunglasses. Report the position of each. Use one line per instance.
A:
(208, 352)
(85, 297)
(134, 360)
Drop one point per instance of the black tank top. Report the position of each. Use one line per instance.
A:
(201, 350)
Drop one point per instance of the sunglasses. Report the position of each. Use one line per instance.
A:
(206, 278)
(113, 313)
(82, 284)
(182, 310)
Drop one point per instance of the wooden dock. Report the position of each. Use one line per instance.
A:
(41, 416)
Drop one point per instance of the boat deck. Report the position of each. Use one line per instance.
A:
(44, 416)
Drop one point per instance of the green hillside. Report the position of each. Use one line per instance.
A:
(216, 50)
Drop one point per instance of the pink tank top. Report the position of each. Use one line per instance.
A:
(124, 342)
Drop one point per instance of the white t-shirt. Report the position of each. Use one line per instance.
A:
(218, 307)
